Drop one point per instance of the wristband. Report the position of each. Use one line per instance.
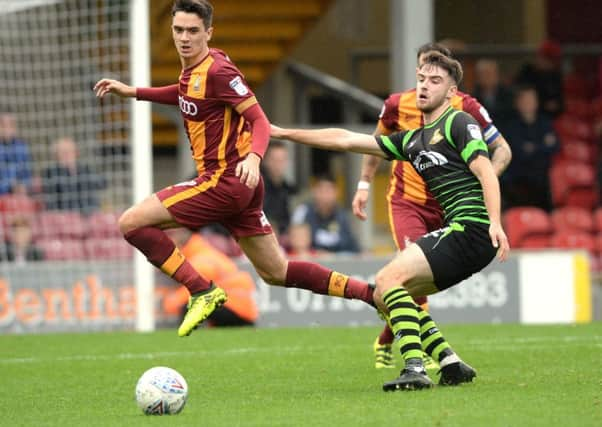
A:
(363, 185)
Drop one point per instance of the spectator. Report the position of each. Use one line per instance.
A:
(299, 236)
(545, 75)
(330, 227)
(241, 308)
(70, 184)
(277, 190)
(19, 247)
(495, 96)
(533, 141)
(15, 159)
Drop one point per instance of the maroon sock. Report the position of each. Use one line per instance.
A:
(420, 300)
(161, 252)
(320, 280)
(386, 336)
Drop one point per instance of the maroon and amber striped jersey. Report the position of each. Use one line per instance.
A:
(400, 113)
(208, 94)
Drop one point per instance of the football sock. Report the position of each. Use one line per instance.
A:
(386, 336)
(433, 342)
(161, 252)
(320, 280)
(403, 315)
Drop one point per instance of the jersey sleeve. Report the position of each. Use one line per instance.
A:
(467, 137)
(481, 115)
(392, 145)
(389, 114)
(228, 85)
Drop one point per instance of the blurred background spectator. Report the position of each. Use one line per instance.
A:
(19, 247)
(533, 142)
(278, 191)
(330, 227)
(299, 238)
(545, 75)
(69, 184)
(491, 92)
(241, 308)
(15, 159)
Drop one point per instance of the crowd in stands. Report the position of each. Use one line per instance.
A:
(552, 121)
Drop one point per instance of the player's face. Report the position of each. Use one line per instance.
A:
(190, 37)
(433, 87)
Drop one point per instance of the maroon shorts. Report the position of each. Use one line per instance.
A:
(228, 202)
(410, 221)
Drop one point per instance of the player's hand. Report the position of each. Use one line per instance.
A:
(104, 86)
(248, 170)
(360, 201)
(499, 240)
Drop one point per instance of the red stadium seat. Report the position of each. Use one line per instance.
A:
(107, 248)
(579, 107)
(569, 126)
(103, 224)
(573, 240)
(572, 218)
(69, 224)
(574, 184)
(18, 203)
(527, 227)
(576, 150)
(598, 219)
(56, 249)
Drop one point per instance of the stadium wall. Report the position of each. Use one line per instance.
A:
(543, 287)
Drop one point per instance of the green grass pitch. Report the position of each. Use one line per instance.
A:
(527, 376)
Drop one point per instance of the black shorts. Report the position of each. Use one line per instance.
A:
(457, 251)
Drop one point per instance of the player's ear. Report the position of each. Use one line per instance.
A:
(451, 92)
(209, 33)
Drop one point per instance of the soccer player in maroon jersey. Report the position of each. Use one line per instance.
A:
(228, 133)
(413, 211)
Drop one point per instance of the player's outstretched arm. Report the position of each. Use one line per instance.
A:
(331, 139)
(483, 170)
(104, 86)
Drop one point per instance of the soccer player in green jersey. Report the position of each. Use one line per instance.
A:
(451, 156)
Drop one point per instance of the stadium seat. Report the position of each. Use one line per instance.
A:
(598, 219)
(573, 240)
(69, 224)
(569, 126)
(576, 150)
(579, 107)
(18, 203)
(527, 227)
(56, 249)
(103, 224)
(572, 218)
(107, 248)
(574, 184)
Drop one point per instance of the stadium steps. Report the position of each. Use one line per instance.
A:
(257, 35)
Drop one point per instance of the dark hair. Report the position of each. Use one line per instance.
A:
(453, 67)
(433, 47)
(201, 8)
(324, 176)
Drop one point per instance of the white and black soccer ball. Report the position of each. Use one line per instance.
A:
(161, 391)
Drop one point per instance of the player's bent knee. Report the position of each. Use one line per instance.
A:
(127, 222)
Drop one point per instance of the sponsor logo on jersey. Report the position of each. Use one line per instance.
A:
(190, 183)
(197, 83)
(428, 159)
(474, 131)
(239, 87)
(436, 137)
(187, 107)
(485, 114)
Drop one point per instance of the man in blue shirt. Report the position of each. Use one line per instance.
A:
(15, 160)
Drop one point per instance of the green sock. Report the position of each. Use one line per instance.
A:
(433, 342)
(403, 315)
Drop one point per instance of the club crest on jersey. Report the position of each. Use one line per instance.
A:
(197, 84)
(474, 131)
(239, 87)
(436, 137)
(428, 159)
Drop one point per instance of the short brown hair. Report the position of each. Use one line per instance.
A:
(433, 47)
(452, 66)
(202, 8)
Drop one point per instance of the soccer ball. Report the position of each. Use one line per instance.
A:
(160, 391)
